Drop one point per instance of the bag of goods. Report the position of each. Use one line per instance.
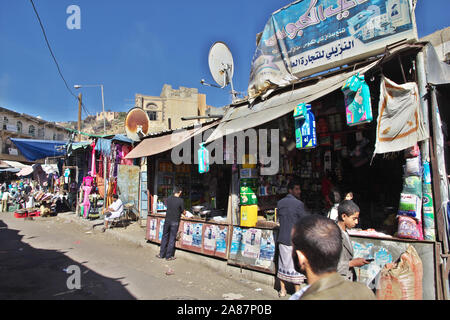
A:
(412, 185)
(402, 280)
(412, 152)
(410, 205)
(357, 100)
(409, 228)
(203, 159)
(413, 167)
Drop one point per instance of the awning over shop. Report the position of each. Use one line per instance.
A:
(438, 72)
(15, 164)
(244, 117)
(13, 170)
(152, 146)
(34, 150)
(25, 171)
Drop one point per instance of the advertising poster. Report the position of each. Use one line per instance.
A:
(267, 249)
(197, 235)
(252, 240)
(237, 245)
(209, 239)
(153, 223)
(188, 230)
(310, 36)
(221, 240)
(161, 229)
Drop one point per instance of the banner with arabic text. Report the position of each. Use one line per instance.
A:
(310, 36)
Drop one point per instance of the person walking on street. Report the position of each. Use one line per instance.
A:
(289, 210)
(317, 246)
(175, 208)
(5, 198)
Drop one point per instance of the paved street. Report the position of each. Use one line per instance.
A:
(34, 255)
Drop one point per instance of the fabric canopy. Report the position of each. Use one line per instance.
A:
(13, 170)
(152, 146)
(34, 150)
(25, 171)
(15, 164)
(241, 118)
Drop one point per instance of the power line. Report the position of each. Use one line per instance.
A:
(54, 58)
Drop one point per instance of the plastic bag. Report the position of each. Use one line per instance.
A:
(203, 159)
(409, 228)
(402, 280)
(410, 205)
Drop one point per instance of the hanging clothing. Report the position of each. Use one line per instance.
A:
(93, 169)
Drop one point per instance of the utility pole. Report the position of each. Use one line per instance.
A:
(79, 116)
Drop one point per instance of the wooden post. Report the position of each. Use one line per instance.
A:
(79, 116)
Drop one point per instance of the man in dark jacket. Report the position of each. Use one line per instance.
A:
(289, 210)
(175, 208)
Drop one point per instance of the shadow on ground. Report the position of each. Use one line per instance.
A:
(27, 273)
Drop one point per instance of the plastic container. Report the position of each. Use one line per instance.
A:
(249, 216)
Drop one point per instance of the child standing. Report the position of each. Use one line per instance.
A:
(348, 215)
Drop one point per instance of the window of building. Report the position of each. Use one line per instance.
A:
(32, 131)
(151, 106)
(152, 115)
(54, 136)
(19, 126)
(41, 132)
(60, 137)
(5, 123)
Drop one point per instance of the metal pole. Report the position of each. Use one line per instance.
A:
(104, 158)
(422, 85)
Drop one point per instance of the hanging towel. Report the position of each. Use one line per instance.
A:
(399, 123)
(104, 146)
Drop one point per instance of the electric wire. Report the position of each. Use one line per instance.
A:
(54, 58)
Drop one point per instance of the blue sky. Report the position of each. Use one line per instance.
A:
(133, 46)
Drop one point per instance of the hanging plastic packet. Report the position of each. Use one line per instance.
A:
(357, 100)
(305, 127)
(203, 159)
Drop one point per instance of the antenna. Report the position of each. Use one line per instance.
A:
(221, 66)
(137, 124)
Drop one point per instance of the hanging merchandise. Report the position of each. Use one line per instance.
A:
(357, 100)
(305, 127)
(66, 175)
(248, 191)
(427, 205)
(399, 123)
(203, 159)
(93, 169)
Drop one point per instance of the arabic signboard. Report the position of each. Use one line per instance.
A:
(310, 36)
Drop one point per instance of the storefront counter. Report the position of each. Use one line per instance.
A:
(254, 248)
(207, 237)
(388, 250)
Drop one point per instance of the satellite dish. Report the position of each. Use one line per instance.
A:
(221, 63)
(137, 124)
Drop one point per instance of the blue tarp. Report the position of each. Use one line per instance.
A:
(34, 150)
(122, 138)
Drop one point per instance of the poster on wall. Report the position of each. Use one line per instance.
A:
(310, 36)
